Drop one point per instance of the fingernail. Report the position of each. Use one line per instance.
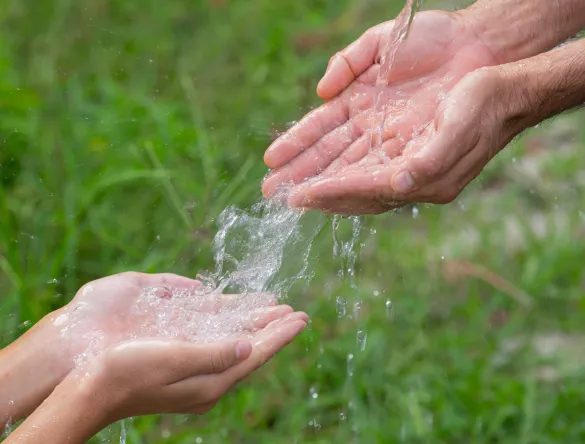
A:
(243, 350)
(403, 181)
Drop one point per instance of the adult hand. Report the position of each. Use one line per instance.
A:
(442, 128)
(147, 376)
(473, 123)
(439, 51)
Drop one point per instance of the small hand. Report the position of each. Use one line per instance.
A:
(137, 305)
(439, 51)
(164, 376)
(147, 376)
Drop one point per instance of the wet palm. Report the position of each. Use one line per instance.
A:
(112, 310)
(438, 52)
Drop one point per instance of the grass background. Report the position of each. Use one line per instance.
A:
(127, 126)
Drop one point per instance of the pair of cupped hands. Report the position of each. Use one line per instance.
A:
(137, 376)
(447, 113)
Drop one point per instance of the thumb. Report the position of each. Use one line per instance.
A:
(217, 358)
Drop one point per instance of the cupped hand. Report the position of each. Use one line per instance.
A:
(474, 122)
(440, 49)
(151, 375)
(138, 305)
(148, 376)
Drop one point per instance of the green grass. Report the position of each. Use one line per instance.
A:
(127, 126)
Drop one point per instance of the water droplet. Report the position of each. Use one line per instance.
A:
(341, 304)
(357, 307)
(350, 365)
(415, 212)
(313, 392)
(342, 416)
(199, 440)
(442, 258)
(158, 237)
(53, 281)
(389, 308)
(362, 339)
(373, 231)
(376, 293)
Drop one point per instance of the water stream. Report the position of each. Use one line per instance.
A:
(391, 44)
(265, 251)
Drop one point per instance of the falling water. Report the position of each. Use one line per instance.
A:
(391, 45)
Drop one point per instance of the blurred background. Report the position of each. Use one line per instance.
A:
(127, 126)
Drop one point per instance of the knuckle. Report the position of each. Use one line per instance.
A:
(218, 362)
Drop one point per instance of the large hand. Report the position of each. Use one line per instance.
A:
(475, 121)
(439, 51)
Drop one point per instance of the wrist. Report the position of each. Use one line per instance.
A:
(548, 84)
(31, 368)
(515, 29)
(73, 413)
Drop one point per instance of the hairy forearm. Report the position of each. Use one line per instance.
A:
(548, 84)
(517, 29)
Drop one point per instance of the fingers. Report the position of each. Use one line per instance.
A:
(306, 132)
(167, 279)
(345, 66)
(209, 388)
(316, 158)
(269, 341)
(260, 318)
(355, 184)
(190, 360)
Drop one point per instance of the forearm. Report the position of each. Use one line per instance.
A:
(30, 368)
(517, 29)
(72, 414)
(548, 84)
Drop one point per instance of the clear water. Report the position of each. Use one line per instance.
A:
(391, 44)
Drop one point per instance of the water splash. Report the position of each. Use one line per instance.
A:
(250, 248)
(346, 250)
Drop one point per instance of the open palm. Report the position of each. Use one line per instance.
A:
(137, 305)
(438, 52)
